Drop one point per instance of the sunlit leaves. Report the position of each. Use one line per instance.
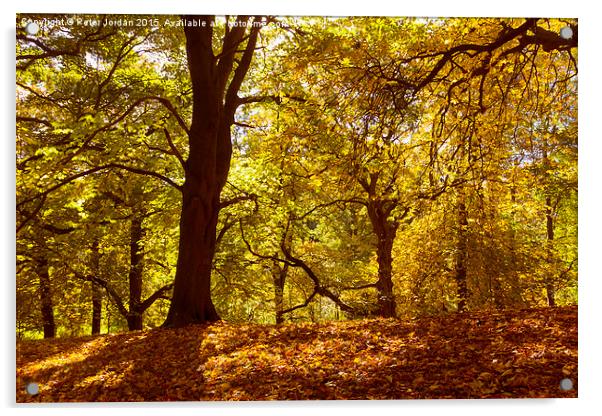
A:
(330, 108)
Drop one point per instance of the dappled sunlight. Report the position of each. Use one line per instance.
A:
(108, 376)
(60, 359)
(460, 355)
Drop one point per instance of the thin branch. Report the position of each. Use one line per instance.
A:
(145, 172)
(304, 304)
(173, 148)
(327, 204)
(167, 104)
(120, 56)
(32, 214)
(243, 125)
(255, 253)
(34, 120)
(361, 287)
(76, 176)
(297, 262)
(222, 232)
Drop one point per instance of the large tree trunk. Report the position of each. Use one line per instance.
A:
(46, 303)
(134, 316)
(385, 230)
(191, 302)
(215, 84)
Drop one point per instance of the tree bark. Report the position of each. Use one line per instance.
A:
(96, 291)
(548, 279)
(385, 230)
(279, 276)
(461, 252)
(134, 317)
(215, 84)
(47, 306)
(133, 313)
(96, 309)
(550, 289)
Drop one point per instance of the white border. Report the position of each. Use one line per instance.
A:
(590, 204)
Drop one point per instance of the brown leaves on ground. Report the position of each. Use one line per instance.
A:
(478, 355)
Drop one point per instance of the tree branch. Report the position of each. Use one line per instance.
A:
(32, 214)
(256, 254)
(304, 304)
(167, 104)
(173, 148)
(227, 225)
(155, 296)
(297, 262)
(241, 70)
(97, 169)
(236, 200)
(34, 120)
(361, 287)
(263, 98)
(327, 204)
(104, 284)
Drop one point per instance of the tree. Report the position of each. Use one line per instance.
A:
(216, 81)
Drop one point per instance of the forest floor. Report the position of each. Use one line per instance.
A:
(474, 355)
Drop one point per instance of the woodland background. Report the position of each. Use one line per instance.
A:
(362, 183)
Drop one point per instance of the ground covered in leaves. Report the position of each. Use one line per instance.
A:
(478, 355)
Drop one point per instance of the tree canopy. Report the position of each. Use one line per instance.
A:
(175, 170)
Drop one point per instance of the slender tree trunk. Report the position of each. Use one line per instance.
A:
(550, 289)
(47, 306)
(215, 84)
(461, 252)
(548, 279)
(96, 309)
(96, 291)
(279, 273)
(279, 276)
(134, 317)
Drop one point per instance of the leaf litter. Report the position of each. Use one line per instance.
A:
(510, 354)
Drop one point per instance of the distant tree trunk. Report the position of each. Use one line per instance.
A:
(515, 259)
(548, 279)
(279, 276)
(96, 309)
(462, 252)
(96, 291)
(550, 289)
(108, 315)
(134, 317)
(46, 303)
(215, 84)
(385, 230)
(279, 273)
